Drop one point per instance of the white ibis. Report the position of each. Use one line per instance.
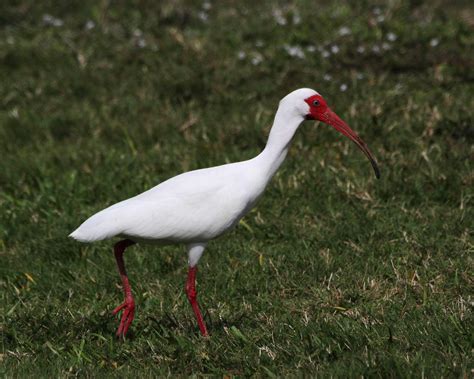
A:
(198, 206)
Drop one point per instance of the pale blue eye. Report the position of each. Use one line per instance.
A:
(316, 103)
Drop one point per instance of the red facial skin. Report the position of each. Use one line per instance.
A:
(319, 110)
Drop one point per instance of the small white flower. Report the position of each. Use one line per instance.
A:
(386, 46)
(310, 48)
(296, 18)
(294, 51)
(89, 25)
(52, 21)
(203, 16)
(344, 31)
(47, 18)
(380, 18)
(14, 113)
(206, 5)
(434, 42)
(325, 54)
(327, 77)
(343, 87)
(257, 59)
(241, 55)
(391, 36)
(278, 16)
(360, 76)
(335, 49)
(376, 49)
(141, 43)
(360, 49)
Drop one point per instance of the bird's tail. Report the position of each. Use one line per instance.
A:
(83, 236)
(100, 226)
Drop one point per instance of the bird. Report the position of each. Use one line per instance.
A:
(198, 206)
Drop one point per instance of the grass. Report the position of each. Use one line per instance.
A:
(334, 274)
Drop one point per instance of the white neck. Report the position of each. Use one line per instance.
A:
(281, 134)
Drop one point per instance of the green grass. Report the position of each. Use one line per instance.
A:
(335, 274)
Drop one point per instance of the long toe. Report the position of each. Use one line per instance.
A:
(127, 318)
(128, 314)
(128, 321)
(119, 308)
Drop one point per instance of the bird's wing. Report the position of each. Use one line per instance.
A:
(195, 205)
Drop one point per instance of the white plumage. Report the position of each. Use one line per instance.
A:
(200, 205)
(192, 207)
(197, 206)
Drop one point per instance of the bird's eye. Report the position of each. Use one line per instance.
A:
(316, 103)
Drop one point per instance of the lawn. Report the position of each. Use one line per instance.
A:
(333, 274)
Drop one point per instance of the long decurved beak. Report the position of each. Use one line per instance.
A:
(331, 118)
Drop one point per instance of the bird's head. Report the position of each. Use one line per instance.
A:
(310, 105)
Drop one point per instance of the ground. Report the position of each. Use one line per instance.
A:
(334, 274)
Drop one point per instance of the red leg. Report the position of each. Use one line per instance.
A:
(192, 297)
(128, 306)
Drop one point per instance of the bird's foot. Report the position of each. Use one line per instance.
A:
(128, 313)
